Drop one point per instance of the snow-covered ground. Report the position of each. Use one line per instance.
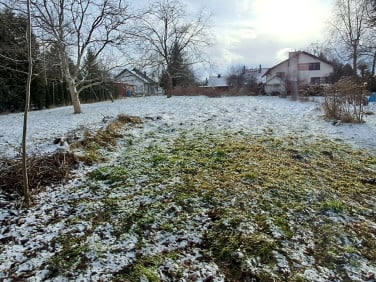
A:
(249, 114)
(92, 229)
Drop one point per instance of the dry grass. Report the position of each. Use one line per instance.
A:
(46, 170)
(42, 171)
(90, 147)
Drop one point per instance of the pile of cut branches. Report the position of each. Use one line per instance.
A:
(52, 169)
(43, 170)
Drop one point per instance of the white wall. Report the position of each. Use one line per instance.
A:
(290, 68)
(275, 85)
(132, 80)
(283, 67)
(306, 75)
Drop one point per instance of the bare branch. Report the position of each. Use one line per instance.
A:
(76, 26)
(165, 26)
(349, 28)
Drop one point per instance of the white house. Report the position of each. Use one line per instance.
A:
(256, 75)
(301, 68)
(137, 83)
(275, 85)
(217, 81)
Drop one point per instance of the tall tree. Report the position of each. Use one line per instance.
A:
(340, 70)
(372, 11)
(349, 28)
(13, 60)
(74, 27)
(166, 27)
(93, 69)
(179, 70)
(370, 43)
(236, 77)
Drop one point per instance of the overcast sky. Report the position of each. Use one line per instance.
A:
(254, 32)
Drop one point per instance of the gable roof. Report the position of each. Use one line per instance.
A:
(142, 76)
(295, 54)
(277, 65)
(257, 73)
(217, 81)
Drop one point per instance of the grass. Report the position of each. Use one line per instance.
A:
(244, 198)
(94, 144)
(110, 173)
(71, 256)
(336, 206)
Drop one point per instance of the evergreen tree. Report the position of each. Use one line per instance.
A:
(340, 70)
(14, 63)
(179, 70)
(56, 92)
(97, 79)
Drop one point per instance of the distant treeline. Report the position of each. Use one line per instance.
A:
(52, 94)
(48, 87)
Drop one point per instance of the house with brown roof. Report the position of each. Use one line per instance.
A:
(301, 69)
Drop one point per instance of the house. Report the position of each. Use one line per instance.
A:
(275, 86)
(124, 89)
(250, 75)
(217, 81)
(255, 74)
(300, 69)
(135, 82)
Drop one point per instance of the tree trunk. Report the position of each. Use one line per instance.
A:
(74, 96)
(170, 86)
(26, 192)
(72, 87)
(355, 60)
(374, 63)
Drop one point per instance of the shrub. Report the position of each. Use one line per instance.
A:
(313, 90)
(345, 100)
(213, 92)
(43, 170)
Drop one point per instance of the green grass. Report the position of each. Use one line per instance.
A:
(70, 257)
(259, 195)
(336, 206)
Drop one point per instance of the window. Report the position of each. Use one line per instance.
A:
(315, 80)
(303, 67)
(324, 80)
(314, 66)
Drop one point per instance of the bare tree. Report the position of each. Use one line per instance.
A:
(26, 192)
(165, 26)
(371, 35)
(76, 26)
(236, 76)
(349, 27)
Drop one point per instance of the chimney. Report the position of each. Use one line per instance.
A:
(293, 54)
(260, 68)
